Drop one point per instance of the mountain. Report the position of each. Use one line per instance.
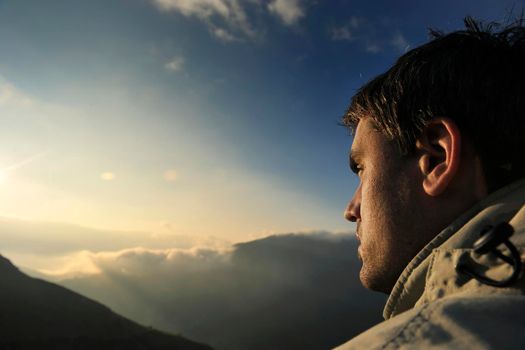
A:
(35, 314)
(291, 291)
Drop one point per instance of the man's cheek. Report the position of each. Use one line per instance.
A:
(368, 208)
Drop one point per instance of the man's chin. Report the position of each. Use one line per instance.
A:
(373, 282)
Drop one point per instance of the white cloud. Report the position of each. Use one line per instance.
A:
(185, 254)
(223, 35)
(198, 8)
(289, 11)
(175, 64)
(70, 266)
(400, 42)
(214, 13)
(227, 20)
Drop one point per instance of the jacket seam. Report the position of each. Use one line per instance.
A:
(403, 336)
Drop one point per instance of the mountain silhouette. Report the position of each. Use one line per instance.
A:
(35, 314)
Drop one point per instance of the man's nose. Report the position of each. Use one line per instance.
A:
(353, 210)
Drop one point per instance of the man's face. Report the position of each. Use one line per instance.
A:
(386, 207)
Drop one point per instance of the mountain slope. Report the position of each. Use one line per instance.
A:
(35, 314)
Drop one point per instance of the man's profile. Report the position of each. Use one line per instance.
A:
(439, 151)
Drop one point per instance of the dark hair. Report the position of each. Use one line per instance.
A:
(474, 76)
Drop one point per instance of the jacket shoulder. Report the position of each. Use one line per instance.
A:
(485, 322)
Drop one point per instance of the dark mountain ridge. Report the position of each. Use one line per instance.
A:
(35, 314)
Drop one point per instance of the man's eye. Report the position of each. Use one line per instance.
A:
(355, 167)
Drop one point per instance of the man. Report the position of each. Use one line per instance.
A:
(438, 148)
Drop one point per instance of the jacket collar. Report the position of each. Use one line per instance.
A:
(499, 206)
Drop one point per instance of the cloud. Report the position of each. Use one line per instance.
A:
(263, 294)
(215, 14)
(12, 97)
(289, 11)
(356, 22)
(369, 35)
(342, 33)
(373, 48)
(176, 64)
(223, 35)
(199, 8)
(400, 42)
(228, 20)
(20, 103)
(80, 263)
(48, 244)
(346, 31)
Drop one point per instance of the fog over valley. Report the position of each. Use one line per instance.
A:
(259, 294)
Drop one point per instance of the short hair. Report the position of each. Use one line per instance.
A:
(475, 77)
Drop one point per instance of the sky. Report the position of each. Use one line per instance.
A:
(193, 118)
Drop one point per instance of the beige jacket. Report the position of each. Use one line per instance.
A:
(432, 306)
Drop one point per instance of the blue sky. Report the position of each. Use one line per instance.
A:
(203, 117)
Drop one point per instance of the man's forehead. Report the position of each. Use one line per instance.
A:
(362, 131)
(368, 138)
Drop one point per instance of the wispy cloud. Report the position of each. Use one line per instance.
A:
(370, 35)
(174, 65)
(373, 48)
(18, 104)
(400, 43)
(76, 264)
(289, 11)
(200, 8)
(228, 20)
(347, 30)
(223, 35)
(11, 96)
(342, 33)
(216, 14)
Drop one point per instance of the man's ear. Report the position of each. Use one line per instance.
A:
(439, 150)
